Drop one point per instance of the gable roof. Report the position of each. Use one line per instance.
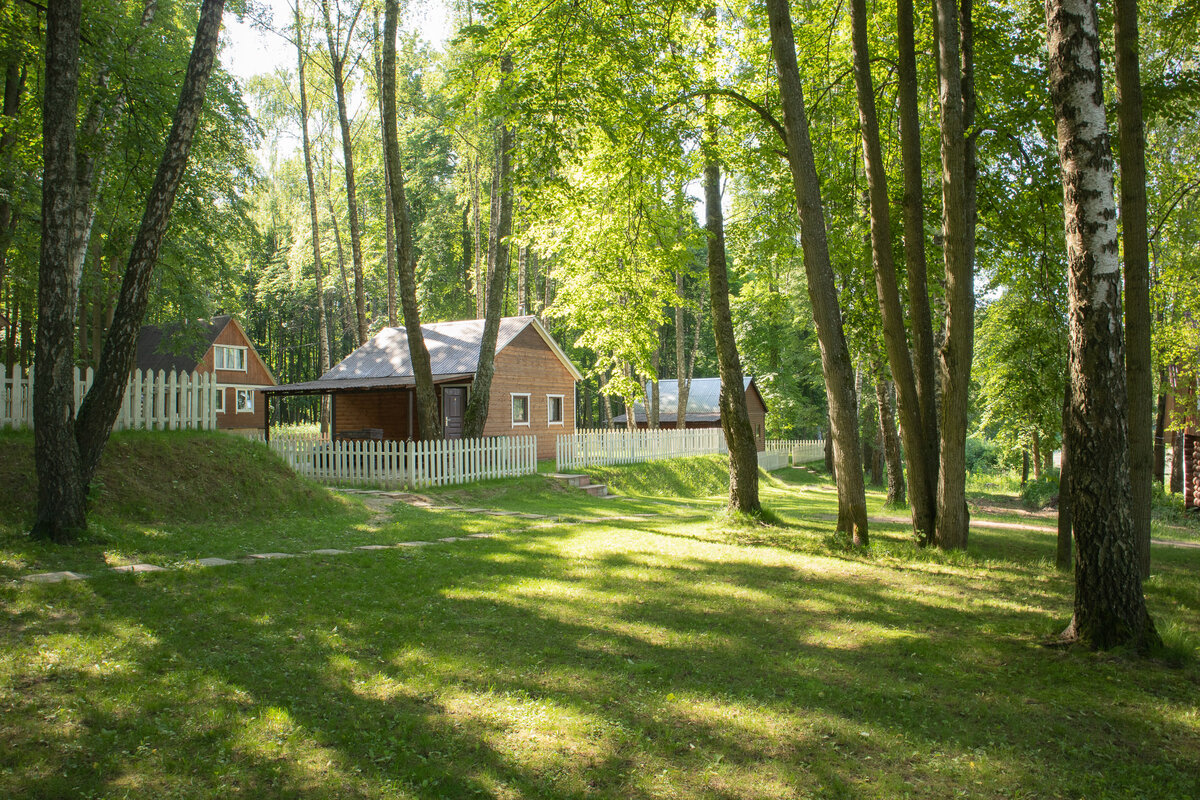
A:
(151, 354)
(703, 405)
(453, 354)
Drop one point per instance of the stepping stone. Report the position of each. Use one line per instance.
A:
(139, 568)
(213, 562)
(265, 556)
(476, 510)
(329, 551)
(374, 547)
(412, 544)
(451, 539)
(55, 577)
(532, 516)
(481, 535)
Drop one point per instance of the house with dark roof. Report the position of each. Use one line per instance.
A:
(218, 346)
(703, 407)
(372, 390)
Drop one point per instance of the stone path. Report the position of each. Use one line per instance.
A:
(379, 502)
(1006, 526)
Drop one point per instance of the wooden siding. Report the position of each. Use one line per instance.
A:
(528, 366)
(388, 410)
(255, 374)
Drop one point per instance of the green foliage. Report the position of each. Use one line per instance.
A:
(1038, 493)
(982, 455)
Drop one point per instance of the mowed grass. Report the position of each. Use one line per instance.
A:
(687, 654)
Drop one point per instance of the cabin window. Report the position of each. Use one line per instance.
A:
(219, 400)
(227, 357)
(520, 409)
(554, 409)
(245, 401)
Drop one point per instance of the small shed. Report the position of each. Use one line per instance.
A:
(703, 407)
(218, 346)
(372, 390)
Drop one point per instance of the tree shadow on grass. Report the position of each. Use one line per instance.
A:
(525, 668)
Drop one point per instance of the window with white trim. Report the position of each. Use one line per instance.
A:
(219, 398)
(554, 409)
(229, 357)
(520, 409)
(245, 401)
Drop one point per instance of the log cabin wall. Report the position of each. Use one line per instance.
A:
(388, 410)
(528, 366)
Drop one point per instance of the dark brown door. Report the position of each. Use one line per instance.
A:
(454, 403)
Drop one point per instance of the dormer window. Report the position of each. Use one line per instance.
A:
(228, 357)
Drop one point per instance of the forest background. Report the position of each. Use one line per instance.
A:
(607, 102)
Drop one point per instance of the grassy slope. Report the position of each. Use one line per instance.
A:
(678, 656)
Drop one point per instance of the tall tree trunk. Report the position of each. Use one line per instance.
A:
(337, 60)
(1137, 273)
(388, 214)
(1110, 609)
(468, 277)
(14, 87)
(735, 418)
(347, 298)
(953, 518)
(835, 358)
(1160, 442)
(428, 417)
(480, 282)
(1176, 462)
(61, 489)
(913, 424)
(891, 443)
(1062, 554)
(683, 377)
(318, 265)
(916, 268)
(499, 265)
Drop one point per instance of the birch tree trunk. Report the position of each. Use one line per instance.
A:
(388, 215)
(1110, 609)
(62, 491)
(835, 358)
(891, 443)
(429, 420)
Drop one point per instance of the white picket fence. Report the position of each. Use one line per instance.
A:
(597, 448)
(415, 465)
(772, 459)
(806, 450)
(162, 401)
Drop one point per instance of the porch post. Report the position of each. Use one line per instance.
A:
(266, 417)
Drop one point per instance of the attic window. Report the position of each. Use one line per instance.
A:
(520, 409)
(226, 357)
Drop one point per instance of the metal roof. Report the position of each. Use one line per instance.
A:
(703, 405)
(384, 361)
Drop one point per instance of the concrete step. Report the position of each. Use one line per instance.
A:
(578, 481)
(596, 489)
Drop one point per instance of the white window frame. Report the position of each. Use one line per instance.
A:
(219, 397)
(237, 406)
(528, 409)
(562, 409)
(221, 357)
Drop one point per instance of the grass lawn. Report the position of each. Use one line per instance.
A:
(685, 654)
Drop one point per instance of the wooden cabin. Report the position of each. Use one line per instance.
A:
(703, 407)
(373, 392)
(218, 346)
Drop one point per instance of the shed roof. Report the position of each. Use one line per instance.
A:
(703, 405)
(385, 362)
(158, 347)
